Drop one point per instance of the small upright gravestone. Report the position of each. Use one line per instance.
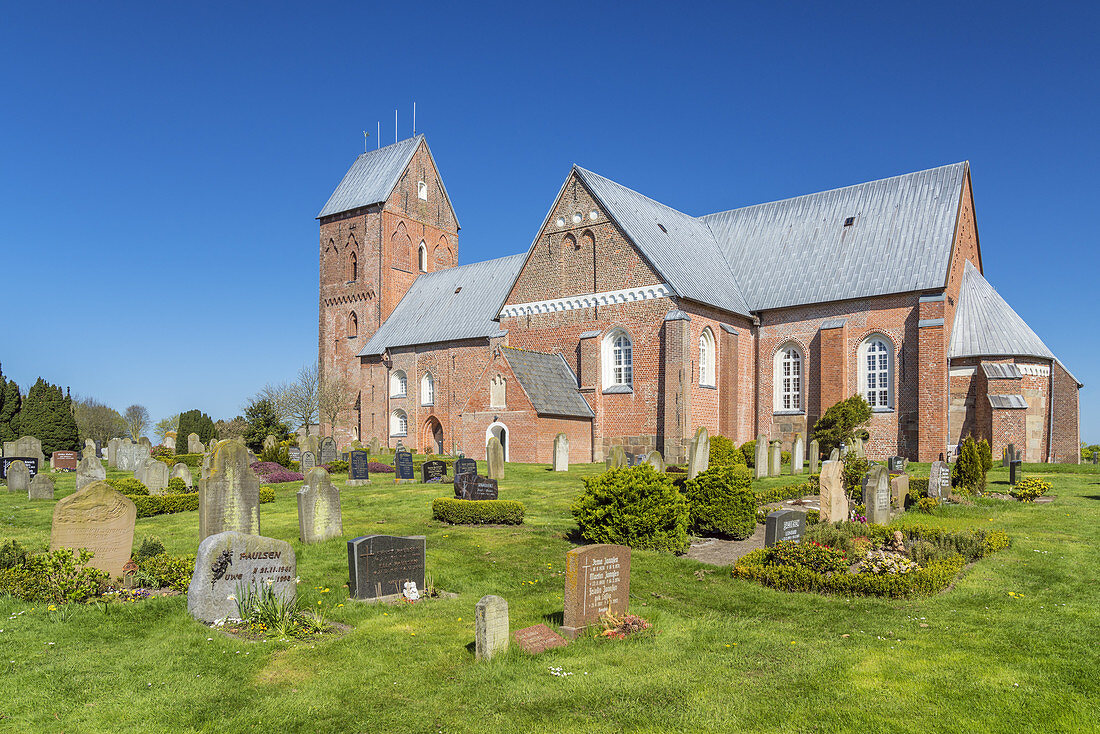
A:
(41, 488)
(91, 470)
(597, 580)
(784, 525)
(230, 563)
(328, 450)
(112, 452)
(229, 495)
(97, 518)
(1013, 467)
(834, 455)
(64, 461)
(815, 456)
(131, 456)
(561, 452)
(155, 476)
(699, 453)
(494, 452)
(899, 490)
(432, 472)
(403, 465)
(856, 448)
(319, 515)
(896, 464)
(25, 446)
(294, 453)
(616, 458)
(833, 500)
(798, 455)
(19, 477)
(194, 444)
(876, 495)
(308, 461)
(474, 487)
(144, 441)
(654, 459)
(182, 471)
(373, 446)
(1007, 455)
(358, 469)
(490, 627)
(380, 565)
(270, 442)
(939, 480)
(465, 466)
(775, 459)
(761, 462)
(89, 450)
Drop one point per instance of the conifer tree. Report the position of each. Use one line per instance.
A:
(10, 403)
(47, 415)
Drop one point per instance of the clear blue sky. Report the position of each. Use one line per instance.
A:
(161, 167)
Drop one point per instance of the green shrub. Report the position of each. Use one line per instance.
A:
(724, 453)
(60, 576)
(840, 422)
(192, 460)
(149, 547)
(176, 485)
(267, 494)
(918, 488)
(1029, 489)
(720, 501)
(933, 578)
(811, 555)
(277, 455)
(967, 473)
(633, 506)
(927, 505)
(128, 486)
(748, 453)
(164, 504)
(477, 512)
(159, 451)
(162, 571)
(855, 469)
(768, 495)
(986, 454)
(13, 555)
(338, 467)
(784, 457)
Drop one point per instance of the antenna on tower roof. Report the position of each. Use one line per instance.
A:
(365, 136)
(379, 136)
(414, 119)
(395, 124)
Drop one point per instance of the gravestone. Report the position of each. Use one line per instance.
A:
(474, 487)
(1007, 455)
(112, 452)
(465, 466)
(170, 444)
(403, 463)
(99, 449)
(538, 638)
(815, 456)
(798, 455)
(97, 518)
(308, 461)
(89, 449)
(833, 499)
(494, 454)
(319, 515)
(374, 446)
(699, 453)
(156, 476)
(26, 446)
(358, 469)
(654, 459)
(561, 452)
(761, 463)
(597, 580)
(194, 444)
(270, 442)
(131, 456)
(939, 480)
(784, 525)
(856, 449)
(229, 495)
(312, 444)
(1013, 467)
(230, 562)
(380, 565)
(144, 441)
(896, 464)
(834, 455)
(328, 450)
(29, 462)
(41, 488)
(90, 470)
(490, 627)
(64, 460)
(432, 472)
(876, 495)
(182, 471)
(899, 490)
(616, 458)
(19, 476)
(294, 453)
(775, 459)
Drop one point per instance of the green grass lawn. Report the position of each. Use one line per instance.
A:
(728, 656)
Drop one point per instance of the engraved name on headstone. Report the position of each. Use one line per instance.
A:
(597, 580)
(784, 525)
(379, 565)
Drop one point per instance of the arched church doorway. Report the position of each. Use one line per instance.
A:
(433, 432)
(501, 432)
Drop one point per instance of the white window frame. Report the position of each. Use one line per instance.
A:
(874, 396)
(707, 359)
(399, 384)
(789, 366)
(399, 423)
(421, 190)
(427, 389)
(422, 257)
(618, 359)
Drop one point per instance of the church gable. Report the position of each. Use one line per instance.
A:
(497, 390)
(964, 249)
(420, 194)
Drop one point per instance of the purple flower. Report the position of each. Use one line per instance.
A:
(278, 477)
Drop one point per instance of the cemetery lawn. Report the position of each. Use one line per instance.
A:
(1013, 646)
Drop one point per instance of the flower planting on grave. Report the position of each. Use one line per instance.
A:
(265, 613)
(621, 626)
(477, 512)
(1029, 489)
(272, 473)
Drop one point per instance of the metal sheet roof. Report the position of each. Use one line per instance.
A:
(372, 177)
(798, 251)
(549, 383)
(1008, 402)
(455, 303)
(1002, 371)
(986, 326)
(680, 247)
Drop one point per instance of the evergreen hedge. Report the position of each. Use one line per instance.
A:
(478, 512)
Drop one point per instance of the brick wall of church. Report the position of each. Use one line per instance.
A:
(1067, 417)
(738, 388)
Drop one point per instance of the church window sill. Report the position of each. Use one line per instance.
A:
(619, 390)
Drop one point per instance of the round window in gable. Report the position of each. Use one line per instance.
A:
(577, 218)
(560, 222)
(593, 215)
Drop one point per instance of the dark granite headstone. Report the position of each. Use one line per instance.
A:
(403, 462)
(379, 565)
(784, 525)
(99, 449)
(295, 453)
(359, 465)
(897, 464)
(473, 487)
(1009, 455)
(465, 466)
(30, 461)
(433, 471)
(1013, 467)
(539, 638)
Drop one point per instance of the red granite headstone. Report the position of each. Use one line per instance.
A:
(597, 580)
(65, 460)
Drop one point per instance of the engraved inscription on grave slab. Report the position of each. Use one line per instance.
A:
(474, 487)
(230, 561)
(784, 525)
(597, 580)
(538, 638)
(432, 471)
(379, 565)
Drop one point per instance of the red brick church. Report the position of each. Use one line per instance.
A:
(629, 322)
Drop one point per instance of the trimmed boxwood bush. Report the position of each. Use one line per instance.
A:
(769, 495)
(724, 453)
(636, 506)
(720, 501)
(128, 486)
(166, 504)
(748, 453)
(478, 512)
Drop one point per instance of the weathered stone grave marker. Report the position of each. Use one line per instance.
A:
(616, 458)
(939, 480)
(538, 638)
(876, 495)
(490, 627)
(380, 565)
(494, 454)
(833, 500)
(815, 456)
(319, 516)
(194, 444)
(90, 469)
(155, 476)
(229, 495)
(699, 453)
(294, 453)
(112, 452)
(27, 446)
(597, 580)
(97, 518)
(230, 562)
(561, 452)
(308, 461)
(798, 455)
(899, 490)
(41, 488)
(18, 476)
(328, 450)
(784, 525)
(761, 461)
(775, 459)
(182, 471)
(270, 442)
(654, 459)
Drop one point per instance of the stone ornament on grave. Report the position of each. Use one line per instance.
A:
(616, 458)
(100, 519)
(939, 480)
(474, 487)
(538, 638)
(433, 472)
(561, 452)
(182, 471)
(27, 446)
(494, 453)
(775, 459)
(328, 450)
(230, 562)
(876, 495)
(90, 470)
(19, 476)
(798, 455)
(815, 456)
(319, 516)
(403, 464)
(597, 580)
(308, 461)
(229, 495)
(699, 453)
(833, 500)
(899, 490)
(64, 460)
(788, 525)
(490, 627)
(654, 459)
(380, 565)
(761, 462)
(41, 488)
(358, 469)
